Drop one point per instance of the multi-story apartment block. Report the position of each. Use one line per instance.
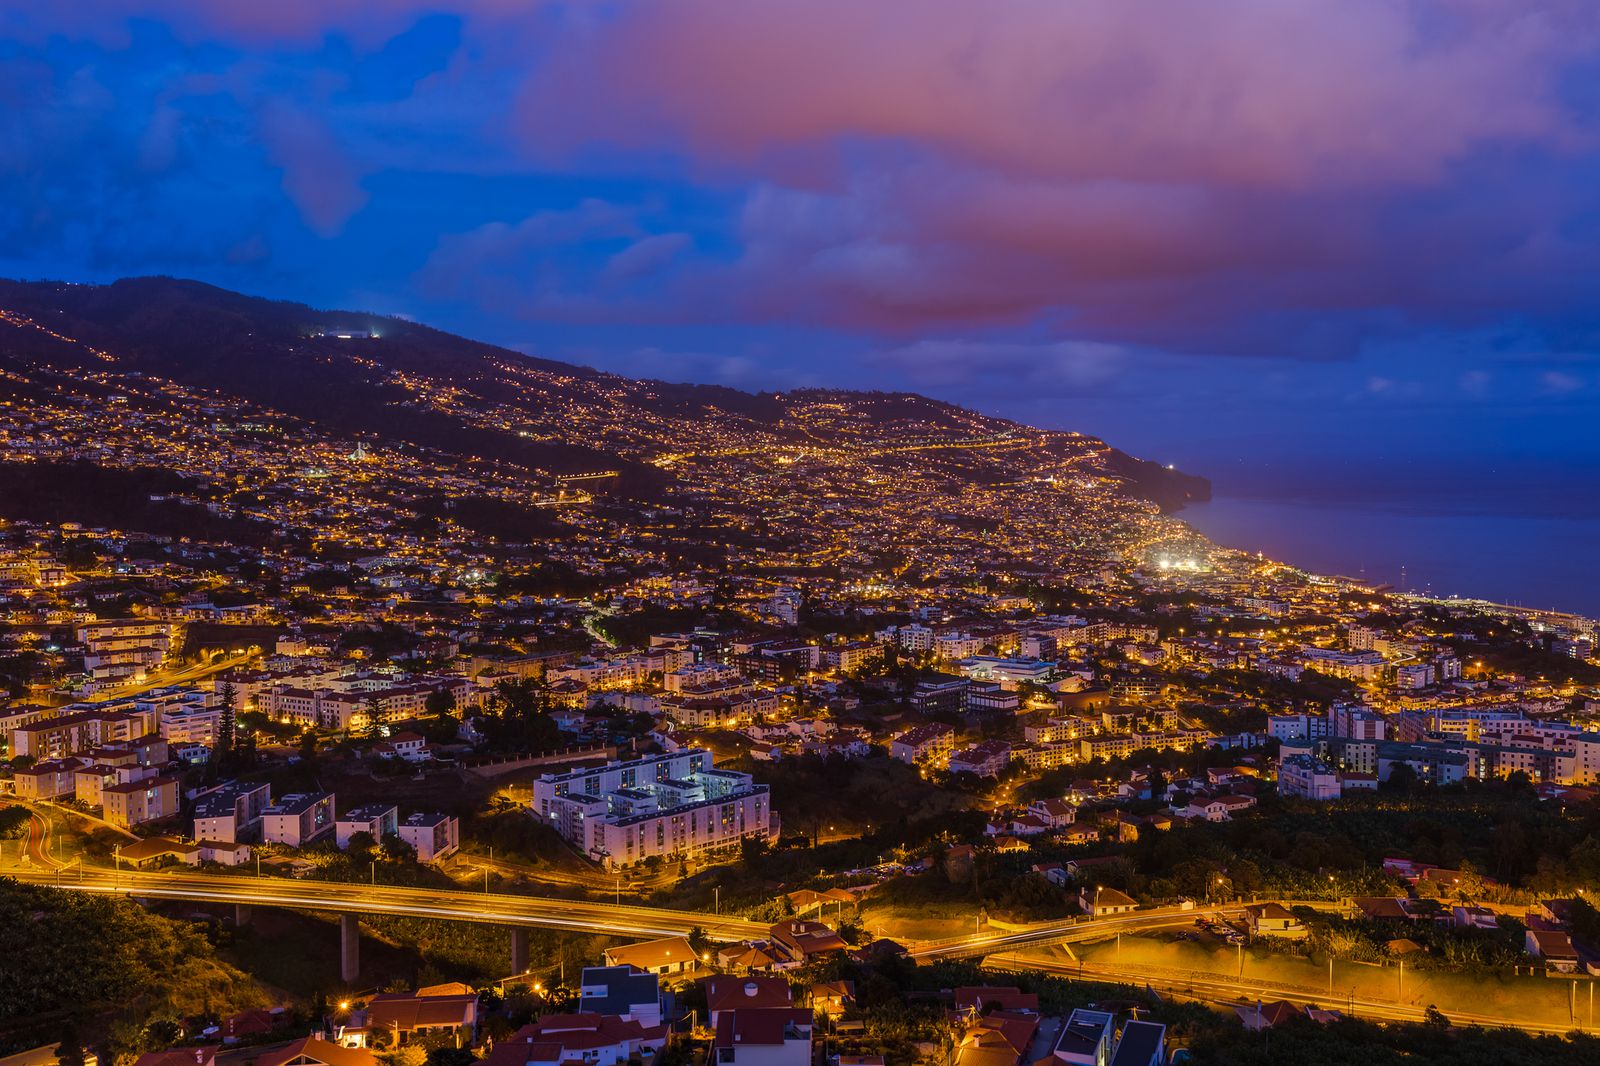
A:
(667, 805)
(136, 802)
(231, 813)
(432, 835)
(67, 734)
(298, 818)
(1307, 777)
(377, 820)
(929, 743)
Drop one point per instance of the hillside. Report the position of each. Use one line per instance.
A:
(194, 381)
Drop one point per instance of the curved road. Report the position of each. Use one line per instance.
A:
(1222, 990)
(495, 909)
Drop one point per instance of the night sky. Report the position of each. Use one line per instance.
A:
(1345, 242)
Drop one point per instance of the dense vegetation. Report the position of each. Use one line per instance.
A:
(81, 964)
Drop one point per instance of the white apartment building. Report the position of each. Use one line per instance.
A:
(434, 836)
(298, 818)
(377, 820)
(230, 813)
(668, 805)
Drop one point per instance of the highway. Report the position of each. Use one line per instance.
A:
(1062, 932)
(609, 919)
(1002, 948)
(1220, 989)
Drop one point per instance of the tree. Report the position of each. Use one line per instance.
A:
(226, 701)
(360, 846)
(440, 703)
(69, 1052)
(397, 850)
(405, 1055)
(13, 822)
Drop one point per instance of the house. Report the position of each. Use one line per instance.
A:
(832, 998)
(377, 820)
(432, 835)
(412, 747)
(224, 852)
(1056, 813)
(1053, 872)
(1383, 907)
(1140, 1043)
(1085, 1038)
(971, 1001)
(747, 957)
(1080, 834)
(250, 1024)
(807, 900)
(1099, 901)
(1259, 1015)
(1219, 808)
(763, 1036)
(1273, 919)
(156, 851)
(621, 992)
(800, 940)
(669, 955)
(725, 993)
(1554, 947)
(590, 1039)
(997, 1039)
(315, 1051)
(1464, 916)
(406, 1017)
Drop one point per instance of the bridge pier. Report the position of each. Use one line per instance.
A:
(519, 949)
(241, 915)
(349, 947)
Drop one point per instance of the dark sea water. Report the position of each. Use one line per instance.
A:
(1536, 545)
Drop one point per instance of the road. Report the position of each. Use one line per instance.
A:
(496, 909)
(1066, 931)
(185, 676)
(1214, 988)
(36, 846)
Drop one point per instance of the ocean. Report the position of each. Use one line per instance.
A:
(1447, 543)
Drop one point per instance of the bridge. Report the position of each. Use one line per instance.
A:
(351, 900)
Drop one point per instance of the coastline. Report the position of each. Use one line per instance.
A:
(1535, 561)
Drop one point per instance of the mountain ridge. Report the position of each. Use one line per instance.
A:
(210, 337)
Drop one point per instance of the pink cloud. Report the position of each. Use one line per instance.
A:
(1222, 175)
(319, 177)
(1250, 92)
